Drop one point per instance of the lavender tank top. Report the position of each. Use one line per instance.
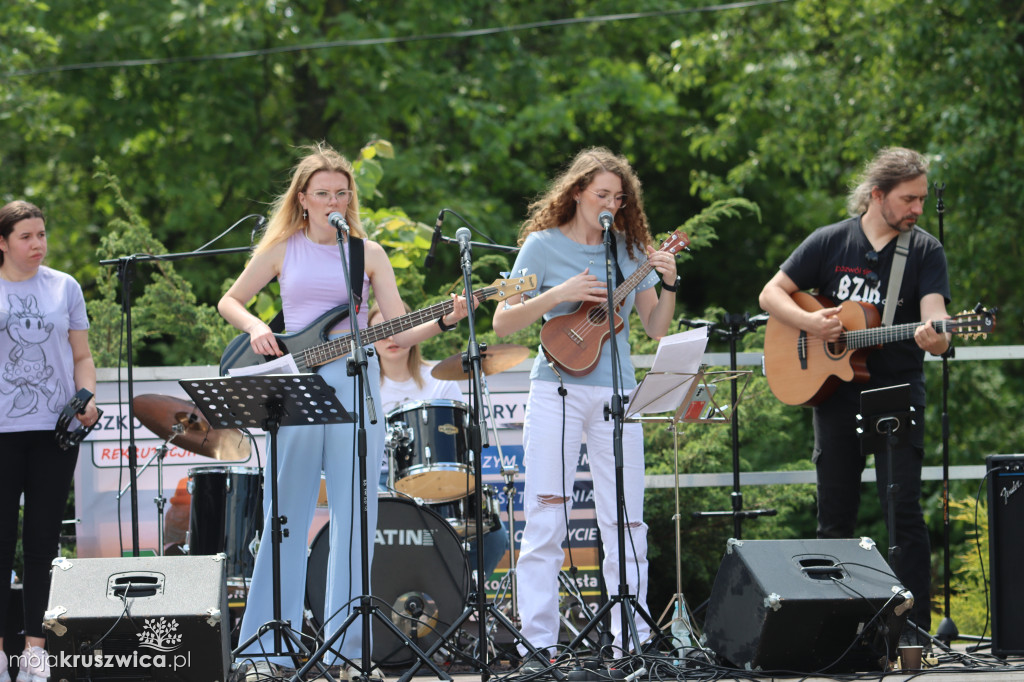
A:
(313, 282)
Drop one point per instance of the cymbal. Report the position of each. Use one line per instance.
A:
(182, 423)
(494, 360)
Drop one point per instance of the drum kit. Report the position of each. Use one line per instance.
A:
(427, 516)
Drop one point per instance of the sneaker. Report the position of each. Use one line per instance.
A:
(534, 665)
(259, 671)
(351, 673)
(33, 665)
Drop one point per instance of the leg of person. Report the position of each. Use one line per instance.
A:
(495, 545)
(547, 503)
(47, 484)
(12, 485)
(913, 564)
(298, 483)
(344, 494)
(600, 450)
(839, 465)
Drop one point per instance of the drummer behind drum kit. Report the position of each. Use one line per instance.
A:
(425, 523)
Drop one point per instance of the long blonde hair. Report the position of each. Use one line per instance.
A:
(286, 212)
(414, 361)
(557, 206)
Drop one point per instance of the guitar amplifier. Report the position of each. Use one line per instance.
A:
(138, 618)
(1005, 552)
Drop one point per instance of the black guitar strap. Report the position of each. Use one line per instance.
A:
(619, 279)
(355, 269)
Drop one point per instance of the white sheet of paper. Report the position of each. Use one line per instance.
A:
(675, 365)
(282, 365)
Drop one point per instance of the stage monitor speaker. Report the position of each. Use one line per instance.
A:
(1006, 552)
(806, 606)
(153, 618)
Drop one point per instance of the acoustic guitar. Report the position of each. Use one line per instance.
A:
(805, 371)
(312, 348)
(574, 341)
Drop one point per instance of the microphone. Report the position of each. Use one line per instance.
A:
(337, 221)
(463, 236)
(606, 219)
(429, 260)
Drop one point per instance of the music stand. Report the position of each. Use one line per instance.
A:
(269, 401)
(695, 396)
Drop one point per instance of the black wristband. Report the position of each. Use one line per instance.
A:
(672, 287)
(443, 326)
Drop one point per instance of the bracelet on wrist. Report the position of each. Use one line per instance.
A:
(443, 326)
(672, 287)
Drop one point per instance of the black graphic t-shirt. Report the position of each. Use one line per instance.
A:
(839, 262)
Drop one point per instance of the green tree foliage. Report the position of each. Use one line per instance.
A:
(197, 110)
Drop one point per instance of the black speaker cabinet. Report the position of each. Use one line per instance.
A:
(805, 606)
(1006, 552)
(135, 618)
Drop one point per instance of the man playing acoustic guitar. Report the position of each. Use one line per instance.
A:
(849, 263)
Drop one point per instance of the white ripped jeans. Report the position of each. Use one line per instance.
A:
(541, 554)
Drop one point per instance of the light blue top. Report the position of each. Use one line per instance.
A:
(554, 258)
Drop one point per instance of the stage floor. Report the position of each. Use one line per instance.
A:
(960, 663)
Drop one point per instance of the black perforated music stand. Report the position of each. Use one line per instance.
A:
(269, 401)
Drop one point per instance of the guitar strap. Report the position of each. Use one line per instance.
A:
(355, 269)
(619, 279)
(899, 263)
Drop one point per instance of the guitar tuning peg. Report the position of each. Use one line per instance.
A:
(522, 273)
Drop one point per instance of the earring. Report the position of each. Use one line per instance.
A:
(305, 214)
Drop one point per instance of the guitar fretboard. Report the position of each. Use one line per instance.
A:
(341, 346)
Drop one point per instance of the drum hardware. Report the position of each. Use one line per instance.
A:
(179, 421)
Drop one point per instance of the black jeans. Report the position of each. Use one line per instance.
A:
(839, 464)
(32, 463)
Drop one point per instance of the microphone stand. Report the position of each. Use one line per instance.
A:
(733, 327)
(126, 273)
(357, 367)
(477, 603)
(614, 410)
(947, 630)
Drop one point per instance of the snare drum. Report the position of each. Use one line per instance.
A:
(226, 515)
(461, 514)
(428, 444)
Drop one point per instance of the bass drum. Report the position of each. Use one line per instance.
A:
(419, 578)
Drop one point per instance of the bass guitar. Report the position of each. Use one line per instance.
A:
(805, 371)
(311, 347)
(574, 341)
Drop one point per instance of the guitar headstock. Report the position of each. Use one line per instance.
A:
(676, 242)
(510, 286)
(973, 323)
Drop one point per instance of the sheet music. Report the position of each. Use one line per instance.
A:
(282, 365)
(665, 385)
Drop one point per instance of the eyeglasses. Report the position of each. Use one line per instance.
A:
(604, 195)
(324, 196)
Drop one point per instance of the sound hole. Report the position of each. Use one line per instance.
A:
(598, 315)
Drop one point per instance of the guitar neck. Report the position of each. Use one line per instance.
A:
(341, 346)
(876, 336)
